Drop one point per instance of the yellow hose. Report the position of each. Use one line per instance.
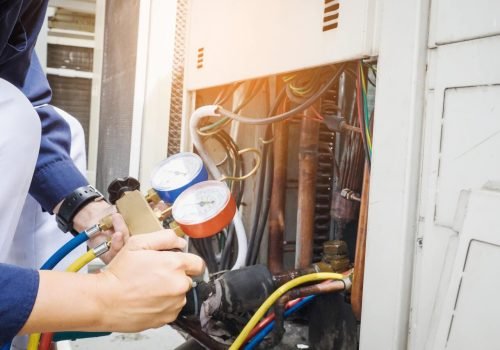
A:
(76, 266)
(320, 276)
(83, 260)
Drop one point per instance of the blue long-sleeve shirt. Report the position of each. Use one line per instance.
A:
(18, 291)
(55, 174)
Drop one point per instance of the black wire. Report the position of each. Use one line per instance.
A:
(210, 254)
(258, 200)
(226, 251)
(231, 148)
(264, 212)
(260, 217)
(229, 247)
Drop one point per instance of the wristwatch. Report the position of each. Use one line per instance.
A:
(72, 204)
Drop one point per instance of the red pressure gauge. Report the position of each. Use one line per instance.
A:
(204, 209)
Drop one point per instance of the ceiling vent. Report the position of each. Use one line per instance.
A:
(331, 15)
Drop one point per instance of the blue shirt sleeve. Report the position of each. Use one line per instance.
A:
(55, 174)
(18, 291)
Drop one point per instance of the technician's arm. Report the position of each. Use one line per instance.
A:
(145, 288)
(55, 175)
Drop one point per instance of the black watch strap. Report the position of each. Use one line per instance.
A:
(72, 204)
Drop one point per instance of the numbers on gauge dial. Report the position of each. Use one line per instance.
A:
(177, 172)
(201, 204)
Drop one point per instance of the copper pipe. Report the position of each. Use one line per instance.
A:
(308, 163)
(281, 278)
(194, 330)
(359, 260)
(277, 206)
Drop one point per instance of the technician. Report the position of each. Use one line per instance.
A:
(142, 287)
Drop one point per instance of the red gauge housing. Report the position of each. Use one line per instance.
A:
(209, 226)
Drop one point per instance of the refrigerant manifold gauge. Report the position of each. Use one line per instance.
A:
(177, 173)
(204, 209)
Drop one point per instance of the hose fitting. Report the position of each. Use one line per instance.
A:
(102, 248)
(92, 231)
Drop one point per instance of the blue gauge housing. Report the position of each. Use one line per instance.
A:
(188, 164)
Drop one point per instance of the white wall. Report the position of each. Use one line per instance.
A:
(152, 90)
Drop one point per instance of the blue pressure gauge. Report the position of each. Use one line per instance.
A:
(177, 173)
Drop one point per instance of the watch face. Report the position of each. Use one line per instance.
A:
(201, 202)
(176, 171)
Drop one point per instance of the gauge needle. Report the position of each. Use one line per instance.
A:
(201, 204)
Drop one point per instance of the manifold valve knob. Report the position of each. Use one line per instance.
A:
(120, 185)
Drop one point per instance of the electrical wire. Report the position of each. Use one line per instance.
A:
(220, 111)
(261, 334)
(76, 266)
(365, 106)
(264, 185)
(320, 276)
(255, 238)
(237, 223)
(251, 172)
(223, 97)
(263, 217)
(215, 127)
(200, 113)
(360, 109)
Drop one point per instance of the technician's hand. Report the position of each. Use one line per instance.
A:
(145, 285)
(91, 214)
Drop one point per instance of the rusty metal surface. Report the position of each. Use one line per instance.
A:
(277, 206)
(359, 260)
(343, 210)
(336, 255)
(194, 330)
(177, 90)
(308, 164)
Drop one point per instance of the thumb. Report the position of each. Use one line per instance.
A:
(159, 240)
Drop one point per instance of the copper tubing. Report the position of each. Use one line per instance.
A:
(279, 308)
(359, 260)
(194, 330)
(277, 206)
(308, 163)
(319, 288)
(281, 278)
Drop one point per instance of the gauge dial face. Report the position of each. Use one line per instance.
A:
(176, 171)
(201, 202)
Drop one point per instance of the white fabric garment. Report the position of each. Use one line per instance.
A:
(28, 236)
(37, 236)
(20, 133)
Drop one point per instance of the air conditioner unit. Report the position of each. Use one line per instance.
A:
(232, 40)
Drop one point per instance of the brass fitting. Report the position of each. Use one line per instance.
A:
(335, 254)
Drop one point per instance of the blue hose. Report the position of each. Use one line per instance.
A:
(56, 259)
(259, 337)
(65, 250)
(50, 264)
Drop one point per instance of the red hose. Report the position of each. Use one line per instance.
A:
(269, 319)
(45, 341)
